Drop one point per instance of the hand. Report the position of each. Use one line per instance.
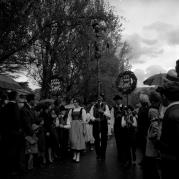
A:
(61, 126)
(48, 134)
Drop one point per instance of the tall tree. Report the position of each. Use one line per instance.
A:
(66, 47)
(14, 31)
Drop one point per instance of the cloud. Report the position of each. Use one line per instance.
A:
(143, 74)
(154, 69)
(140, 74)
(166, 32)
(142, 47)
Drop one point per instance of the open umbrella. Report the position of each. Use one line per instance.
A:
(156, 79)
(69, 106)
(8, 83)
(46, 101)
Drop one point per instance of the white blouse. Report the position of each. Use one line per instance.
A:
(84, 115)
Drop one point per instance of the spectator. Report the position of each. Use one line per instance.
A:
(152, 153)
(11, 133)
(169, 145)
(143, 125)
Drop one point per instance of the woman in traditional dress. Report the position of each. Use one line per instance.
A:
(76, 122)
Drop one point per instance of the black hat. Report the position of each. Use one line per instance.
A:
(62, 108)
(117, 97)
(30, 97)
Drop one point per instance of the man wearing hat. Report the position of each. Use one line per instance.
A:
(116, 115)
(100, 114)
(169, 140)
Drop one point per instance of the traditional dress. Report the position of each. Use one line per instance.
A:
(76, 119)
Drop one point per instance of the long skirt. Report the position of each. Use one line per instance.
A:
(77, 135)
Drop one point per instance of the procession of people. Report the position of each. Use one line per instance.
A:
(33, 135)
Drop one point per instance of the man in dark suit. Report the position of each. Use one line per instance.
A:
(11, 134)
(28, 115)
(169, 140)
(100, 114)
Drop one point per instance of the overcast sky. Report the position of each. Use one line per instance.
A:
(152, 30)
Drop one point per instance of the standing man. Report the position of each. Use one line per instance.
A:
(169, 145)
(116, 115)
(100, 114)
(28, 115)
(11, 135)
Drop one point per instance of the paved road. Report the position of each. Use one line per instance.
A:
(89, 168)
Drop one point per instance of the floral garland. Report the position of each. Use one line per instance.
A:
(120, 84)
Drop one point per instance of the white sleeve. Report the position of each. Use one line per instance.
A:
(123, 122)
(112, 116)
(84, 115)
(92, 113)
(69, 119)
(107, 112)
(135, 122)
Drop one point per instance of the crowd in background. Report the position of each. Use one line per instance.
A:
(34, 135)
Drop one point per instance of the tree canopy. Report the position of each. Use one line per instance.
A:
(57, 39)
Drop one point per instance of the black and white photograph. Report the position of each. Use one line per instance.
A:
(89, 89)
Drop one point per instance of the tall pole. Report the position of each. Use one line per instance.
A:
(97, 55)
(98, 76)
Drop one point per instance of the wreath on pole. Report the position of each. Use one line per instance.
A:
(126, 82)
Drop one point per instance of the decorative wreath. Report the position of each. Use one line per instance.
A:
(120, 84)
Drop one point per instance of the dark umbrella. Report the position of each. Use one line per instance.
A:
(46, 101)
(8, 83)
(69, 106)
(156, 79)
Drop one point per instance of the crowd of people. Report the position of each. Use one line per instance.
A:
(33, 135)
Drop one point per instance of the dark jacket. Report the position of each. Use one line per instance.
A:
(27, 119)
(169, 141)
(11, 119)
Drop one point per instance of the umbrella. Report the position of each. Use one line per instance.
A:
(156, 79)
(43, 101)
(69, 106)
(8, 83)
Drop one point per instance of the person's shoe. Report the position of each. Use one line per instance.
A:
(77, 159)
(74, 157)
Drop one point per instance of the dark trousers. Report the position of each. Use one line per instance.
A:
(63, 140)
(169, 169)
(151, 168)
(100, 134)
(118, 144)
